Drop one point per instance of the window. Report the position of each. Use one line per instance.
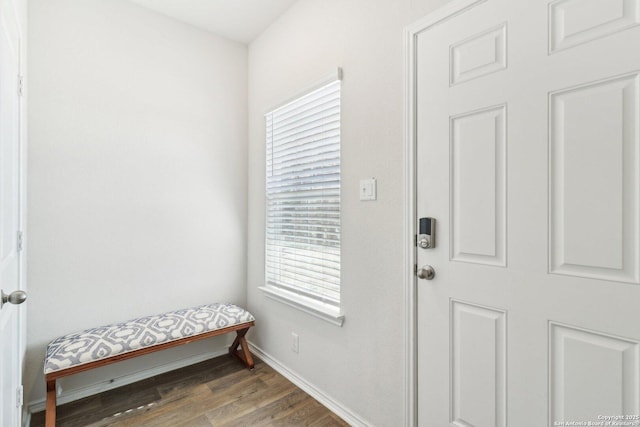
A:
(302, 264)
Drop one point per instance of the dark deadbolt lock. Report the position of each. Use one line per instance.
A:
(427, 233)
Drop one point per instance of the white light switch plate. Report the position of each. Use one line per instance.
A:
(368, 189)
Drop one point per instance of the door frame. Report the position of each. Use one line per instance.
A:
(21, 12)
(410, 215)
(18, 11)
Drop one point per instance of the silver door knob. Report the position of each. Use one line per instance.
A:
(426, 272)
(15, 297)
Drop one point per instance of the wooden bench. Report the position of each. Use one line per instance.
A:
(96, 347)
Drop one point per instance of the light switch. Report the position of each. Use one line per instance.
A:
(368, 190)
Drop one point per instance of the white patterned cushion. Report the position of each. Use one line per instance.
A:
(106, 341)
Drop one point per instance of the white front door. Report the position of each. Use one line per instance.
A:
(10, 375)
(527, 118)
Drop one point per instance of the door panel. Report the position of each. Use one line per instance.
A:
(478, 186)
(10, 375)
(478, 338)
(480, 55)
(577, 391)
(528, 156)
(572, 22)
(595, 128)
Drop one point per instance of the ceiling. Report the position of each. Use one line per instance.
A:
(239, 20)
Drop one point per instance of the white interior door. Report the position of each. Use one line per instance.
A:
(527, 119)
(10, 375)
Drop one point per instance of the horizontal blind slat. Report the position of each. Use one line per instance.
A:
(328, 261)
(320, 277)
(306, 160)
(312, 118)
(325, 250)
(324, 136)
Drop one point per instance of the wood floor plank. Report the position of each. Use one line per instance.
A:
(231, 411)
(272, 411)
(303, 416)
(328, 420)
(175, 412)
(217, 392)
(300, 414)
(200, 421)
(205, 372)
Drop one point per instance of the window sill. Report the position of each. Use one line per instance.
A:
(314, 308)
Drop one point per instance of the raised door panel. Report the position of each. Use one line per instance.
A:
(594, 174)
(478, 186)
(591, 375)
(574, 22)
(478, 366)
(479, 55)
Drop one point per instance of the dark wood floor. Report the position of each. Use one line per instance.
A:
(217, 392)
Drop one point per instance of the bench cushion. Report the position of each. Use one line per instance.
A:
(110, 340)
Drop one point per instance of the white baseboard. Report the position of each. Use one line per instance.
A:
(80, 393)
(337, 408)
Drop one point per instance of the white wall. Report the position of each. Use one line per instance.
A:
(359, 366)
(137, 172)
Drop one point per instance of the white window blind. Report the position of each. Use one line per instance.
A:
(303, 196)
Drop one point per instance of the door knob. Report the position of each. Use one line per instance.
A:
(426, 272)
(15, 297)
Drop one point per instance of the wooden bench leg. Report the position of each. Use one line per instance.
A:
(244, 355)
(50, 420)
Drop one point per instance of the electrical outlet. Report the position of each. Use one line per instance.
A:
(295, 342)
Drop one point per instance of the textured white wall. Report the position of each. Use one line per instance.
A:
(361, 364)
(137, 171)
